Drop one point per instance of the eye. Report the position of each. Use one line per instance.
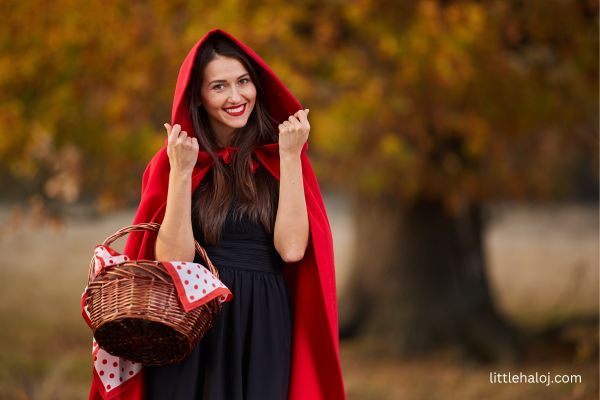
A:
(243, 81)
(219, 86)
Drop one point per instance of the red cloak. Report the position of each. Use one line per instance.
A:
(315, 365)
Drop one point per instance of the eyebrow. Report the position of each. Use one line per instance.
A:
(223, 80)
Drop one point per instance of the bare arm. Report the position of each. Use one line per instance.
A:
(175, 239)
(291, 224)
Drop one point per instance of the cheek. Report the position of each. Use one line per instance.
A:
(251, 93)
(211, 99)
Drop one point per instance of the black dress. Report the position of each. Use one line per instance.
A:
(246, 354)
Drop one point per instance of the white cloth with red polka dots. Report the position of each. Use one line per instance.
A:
(195, 286)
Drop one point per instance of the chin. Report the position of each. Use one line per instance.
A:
(237, 125)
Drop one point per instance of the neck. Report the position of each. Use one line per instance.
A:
(223, 135)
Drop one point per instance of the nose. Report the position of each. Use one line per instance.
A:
(235, 95)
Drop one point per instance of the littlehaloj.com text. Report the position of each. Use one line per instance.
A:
(545, 379)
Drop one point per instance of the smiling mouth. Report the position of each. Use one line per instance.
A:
(236, 111)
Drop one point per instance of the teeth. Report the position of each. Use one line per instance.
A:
(235, 110)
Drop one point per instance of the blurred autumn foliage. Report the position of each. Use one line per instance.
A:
(463, 100)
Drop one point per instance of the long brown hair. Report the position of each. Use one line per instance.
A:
(256, 193)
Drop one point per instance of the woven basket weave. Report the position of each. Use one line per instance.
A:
(135, 311)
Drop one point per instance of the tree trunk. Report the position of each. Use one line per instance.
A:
(419, 282)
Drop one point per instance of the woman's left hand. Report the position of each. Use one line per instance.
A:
(293, 133)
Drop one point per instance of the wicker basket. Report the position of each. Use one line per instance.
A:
(135, 311)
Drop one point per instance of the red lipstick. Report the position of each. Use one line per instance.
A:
(239, 110)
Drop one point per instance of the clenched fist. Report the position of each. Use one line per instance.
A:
(293, 133)
(181, 149)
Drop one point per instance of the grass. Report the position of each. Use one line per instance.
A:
(45, 344)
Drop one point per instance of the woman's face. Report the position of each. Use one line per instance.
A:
(228, 96)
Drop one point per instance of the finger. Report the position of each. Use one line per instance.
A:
(305, 111)
(297, 113)
(175, 133)
(183, 136)
(168, 128)
(302, 116)
(293, 120)
(295, 123)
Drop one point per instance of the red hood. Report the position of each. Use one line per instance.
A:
(278, 99)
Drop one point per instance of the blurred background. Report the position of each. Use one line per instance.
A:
(455, 142)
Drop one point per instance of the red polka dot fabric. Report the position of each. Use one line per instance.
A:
(105, 256)
(195, 284)
(112, 371)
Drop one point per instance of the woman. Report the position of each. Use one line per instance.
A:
(237, 219)
(234, 175)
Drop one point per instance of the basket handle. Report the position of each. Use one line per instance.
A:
(153, 227)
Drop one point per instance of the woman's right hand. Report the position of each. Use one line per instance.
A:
(181, 149)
